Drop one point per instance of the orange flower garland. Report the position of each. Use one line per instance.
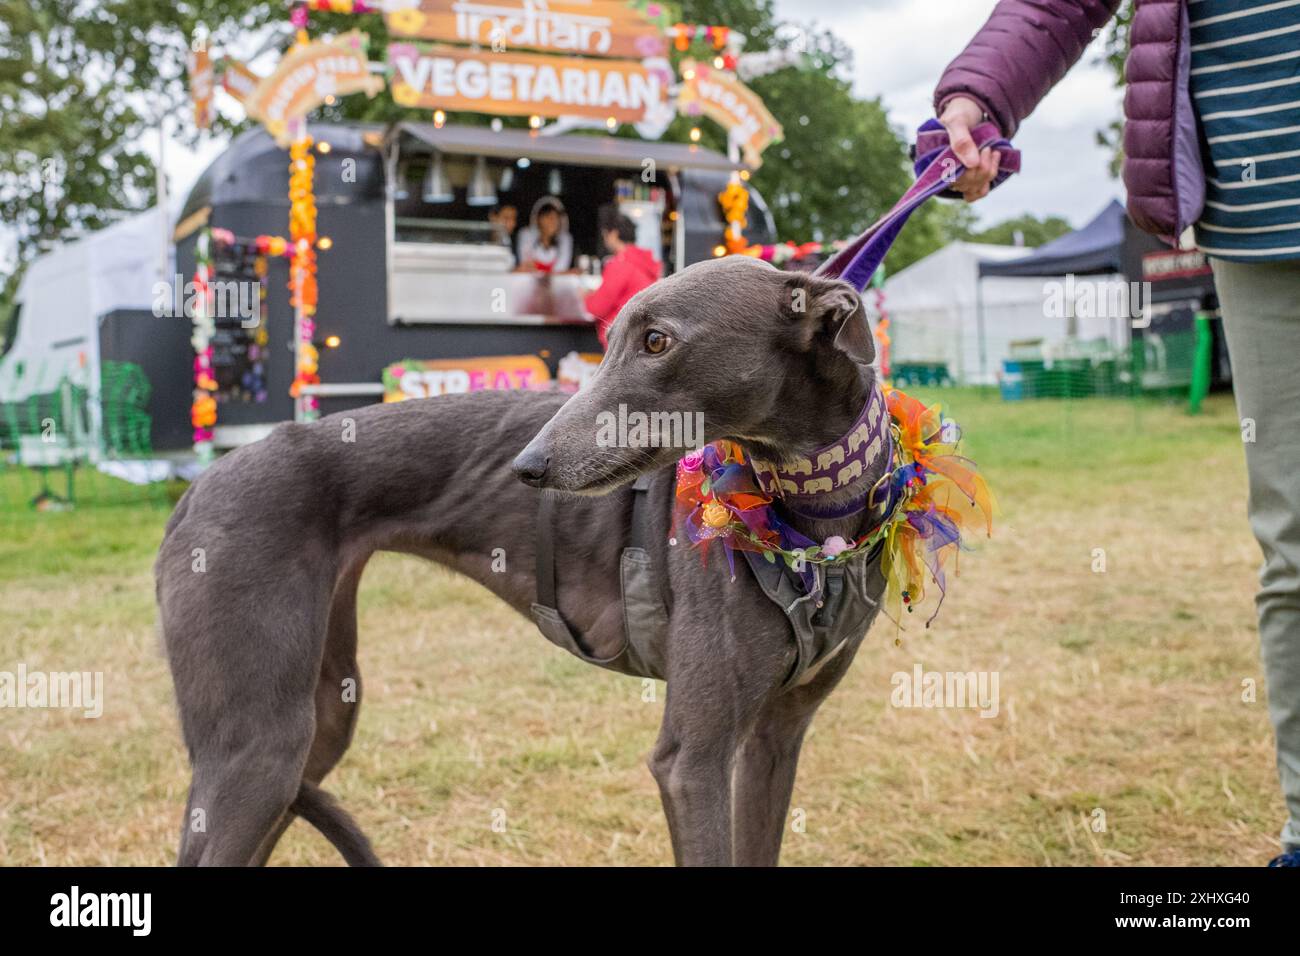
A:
(302, 271)
(735, 204)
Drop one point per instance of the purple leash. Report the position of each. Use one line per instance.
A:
(936, 167)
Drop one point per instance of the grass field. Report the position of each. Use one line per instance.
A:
(1121, 693)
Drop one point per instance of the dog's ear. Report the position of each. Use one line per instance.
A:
(832, 308)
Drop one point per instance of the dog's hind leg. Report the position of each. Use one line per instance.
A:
(768, 760)
(338, 696)
(246, 667)
(240, 792)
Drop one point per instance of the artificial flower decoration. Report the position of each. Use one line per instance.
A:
(203, 410)
(407, 22)
(203, 414)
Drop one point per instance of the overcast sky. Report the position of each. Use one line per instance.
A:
(900, 48)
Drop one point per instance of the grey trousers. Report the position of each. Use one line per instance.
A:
(1260, 303)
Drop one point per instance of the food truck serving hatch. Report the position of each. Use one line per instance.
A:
(449, 262)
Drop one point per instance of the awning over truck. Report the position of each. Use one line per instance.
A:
(603, 150)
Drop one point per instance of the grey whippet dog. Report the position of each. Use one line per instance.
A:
(262, 636)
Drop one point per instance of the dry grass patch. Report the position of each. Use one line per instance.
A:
(1120, 692)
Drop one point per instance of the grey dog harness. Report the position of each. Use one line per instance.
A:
(645, 613)
(839, 608)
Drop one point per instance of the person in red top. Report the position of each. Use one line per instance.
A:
(628, 270)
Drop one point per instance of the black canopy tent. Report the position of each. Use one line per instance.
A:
(1096, 249)
(1109, 244)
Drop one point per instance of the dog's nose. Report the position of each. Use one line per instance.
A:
(530, 466)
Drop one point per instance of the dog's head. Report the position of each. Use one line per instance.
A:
(728, 348)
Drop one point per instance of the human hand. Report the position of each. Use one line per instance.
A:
(960, 116)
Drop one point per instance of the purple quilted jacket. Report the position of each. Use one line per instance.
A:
(1028, 45)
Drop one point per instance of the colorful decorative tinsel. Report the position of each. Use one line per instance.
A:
(302, 272)
(275, 246)
(919, 508)
(344, 6)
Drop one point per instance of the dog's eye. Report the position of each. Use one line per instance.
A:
(655, 341)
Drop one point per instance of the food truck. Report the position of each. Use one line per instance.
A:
(420, 288)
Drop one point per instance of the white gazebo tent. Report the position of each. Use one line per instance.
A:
(64, 295)
(941, 313)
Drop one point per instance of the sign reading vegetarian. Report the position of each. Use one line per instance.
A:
(603, 60)
(521, 84)
(591, 28)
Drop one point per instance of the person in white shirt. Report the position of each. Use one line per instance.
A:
(545, 244)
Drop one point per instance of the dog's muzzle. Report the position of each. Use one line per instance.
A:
(530, 465)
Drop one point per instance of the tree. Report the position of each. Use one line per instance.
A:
(842, 164)
(1032, 231)
(1117, 47)
(81, 86)
(65, 156)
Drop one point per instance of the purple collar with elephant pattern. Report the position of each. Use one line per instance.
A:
(838, 464)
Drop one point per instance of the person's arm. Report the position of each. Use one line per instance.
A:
(526, 239)
(564, 252)
(1024, 50)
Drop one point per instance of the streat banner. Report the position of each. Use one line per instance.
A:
(523, 84)
(414, 378)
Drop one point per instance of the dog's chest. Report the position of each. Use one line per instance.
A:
(840, 608)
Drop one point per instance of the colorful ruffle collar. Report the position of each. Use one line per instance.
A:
(918, 509)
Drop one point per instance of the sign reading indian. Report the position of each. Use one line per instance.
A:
(521, 84)
(721, 97)
(586, 27)
(307, 76)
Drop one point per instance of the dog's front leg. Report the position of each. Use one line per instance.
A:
(692, 763)
(764, 779)
(724, 666)
(769, 759)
